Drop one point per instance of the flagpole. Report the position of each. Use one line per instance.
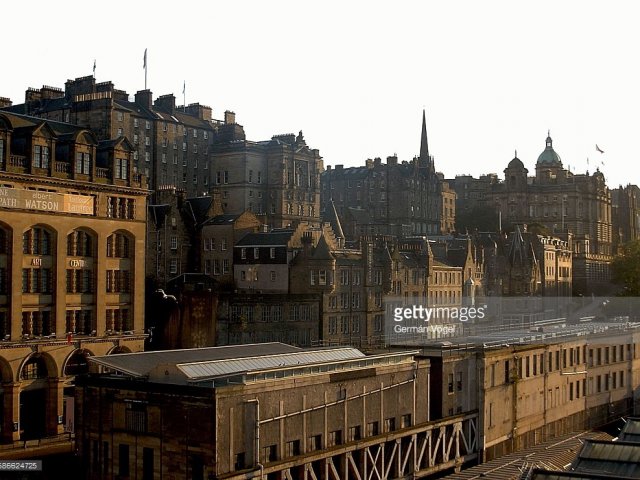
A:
(145, 68)
(184, 95)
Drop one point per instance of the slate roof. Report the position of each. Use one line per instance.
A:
(224, 219)
(279, 238)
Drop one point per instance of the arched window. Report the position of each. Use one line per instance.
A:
(36, 241)
(34, 369)
(79, 244)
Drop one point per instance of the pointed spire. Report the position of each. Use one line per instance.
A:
(322, 250)
(334, 221)
(424, 145)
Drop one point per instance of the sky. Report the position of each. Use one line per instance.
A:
(492, 76)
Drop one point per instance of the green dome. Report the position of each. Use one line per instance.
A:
(549, 157)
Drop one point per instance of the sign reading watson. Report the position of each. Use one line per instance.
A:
(46, 201)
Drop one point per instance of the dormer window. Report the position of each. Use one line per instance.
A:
(83, 163)
(40, 156)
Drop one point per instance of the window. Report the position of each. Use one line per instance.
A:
(273, 275)
(256, 253)
(226, 176)
(373, 429)
(147, 125)
(335, 438)
(173, 266)
(123, 459)
(83, 163)
(405, 421)
(40, 156)
(293, 448)
(272, 252)
(240, 461)
(122, 168)
(315, 442)
(174, 243)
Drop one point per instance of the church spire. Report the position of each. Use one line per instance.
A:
(424, 146)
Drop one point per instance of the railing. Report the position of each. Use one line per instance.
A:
(63, 167)
(18, 161)
(102, 172)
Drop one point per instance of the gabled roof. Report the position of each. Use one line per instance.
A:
(199, 208)
(322, 250)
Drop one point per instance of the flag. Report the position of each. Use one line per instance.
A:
(599, 149)
(144, 62)
(184, 87)
(94, 67)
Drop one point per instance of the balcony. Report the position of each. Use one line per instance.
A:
(17, 164)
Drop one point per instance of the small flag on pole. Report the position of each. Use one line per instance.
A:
(599, 149)
(144, 61)
(184, 87)
(94, 67)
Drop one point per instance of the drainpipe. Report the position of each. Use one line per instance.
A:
(256, 447)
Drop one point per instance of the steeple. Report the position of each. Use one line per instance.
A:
(424, 145)
(334, 221)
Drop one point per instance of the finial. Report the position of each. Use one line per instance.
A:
(549, 133)
(516, 154)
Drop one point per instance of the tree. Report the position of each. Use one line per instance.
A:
(625, 269)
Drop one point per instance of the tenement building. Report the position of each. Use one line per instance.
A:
(171, 144)
(72, 238)
(277, 179)
(392, 198)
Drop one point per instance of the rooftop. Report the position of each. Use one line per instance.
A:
(241, 364)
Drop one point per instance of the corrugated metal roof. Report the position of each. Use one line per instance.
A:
(219, 368)
(552, 455)
(139, 364)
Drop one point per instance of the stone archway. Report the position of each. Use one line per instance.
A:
(38, 414)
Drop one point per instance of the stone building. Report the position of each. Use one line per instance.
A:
(219, 235)
(625, 210)
(293, 319)
(171, 144)
(532, 387)
(406, 198)
(277, 179)
(559, 200)
(268, 411)
(72, 237)
(175, 234)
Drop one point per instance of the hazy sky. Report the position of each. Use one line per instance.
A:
(354, 76)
